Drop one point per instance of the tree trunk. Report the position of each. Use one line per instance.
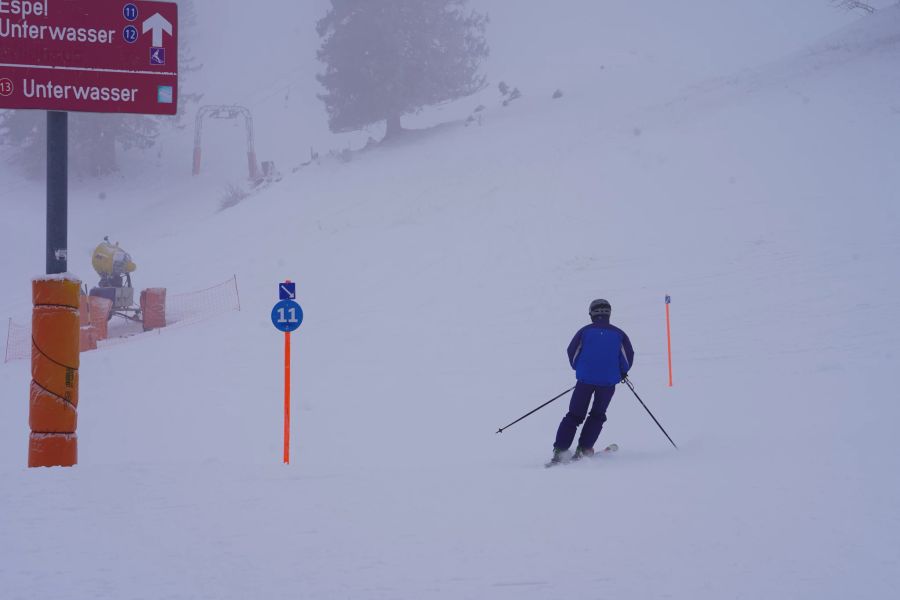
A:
(393, 127)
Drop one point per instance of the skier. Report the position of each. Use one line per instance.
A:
(601, 355)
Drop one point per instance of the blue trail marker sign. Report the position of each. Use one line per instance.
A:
(287, 316)
(287, 290)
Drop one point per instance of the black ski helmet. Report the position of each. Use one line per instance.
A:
(600, 308)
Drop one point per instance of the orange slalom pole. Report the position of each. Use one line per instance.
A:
(669, 337)
(287, 397)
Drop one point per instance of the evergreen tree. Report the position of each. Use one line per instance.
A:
(387, 59)
(187, 62)
(93, 139)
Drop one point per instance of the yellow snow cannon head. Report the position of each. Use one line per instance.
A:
(109, 260)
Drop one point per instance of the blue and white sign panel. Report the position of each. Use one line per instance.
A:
(287, 290)
(287, 316)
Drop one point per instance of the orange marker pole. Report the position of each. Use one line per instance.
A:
(287, 397)
(287, 316)
(669, 337)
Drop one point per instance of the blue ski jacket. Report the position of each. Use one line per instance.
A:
(601, 353)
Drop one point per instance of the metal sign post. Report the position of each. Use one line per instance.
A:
(287, 317)
(57, 192)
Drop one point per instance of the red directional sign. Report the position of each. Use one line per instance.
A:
(106, 56)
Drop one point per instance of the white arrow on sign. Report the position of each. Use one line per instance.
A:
(158, 24)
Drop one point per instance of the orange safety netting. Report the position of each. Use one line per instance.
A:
(179, 309)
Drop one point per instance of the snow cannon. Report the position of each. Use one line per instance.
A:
(114, 295)
(111, 262)
(114, 266)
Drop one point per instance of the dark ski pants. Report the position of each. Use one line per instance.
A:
(578, 410)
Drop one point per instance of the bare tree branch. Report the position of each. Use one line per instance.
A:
(853, 5)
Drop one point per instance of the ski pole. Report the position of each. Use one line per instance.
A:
(631, 387)
(537, 409)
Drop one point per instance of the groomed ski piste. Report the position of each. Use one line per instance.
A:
(740, 157)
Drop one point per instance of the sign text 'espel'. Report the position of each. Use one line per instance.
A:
(107, 56)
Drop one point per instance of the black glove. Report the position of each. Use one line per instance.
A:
(624, 377)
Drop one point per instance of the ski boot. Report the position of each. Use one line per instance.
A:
(581, 452)
(559, 457)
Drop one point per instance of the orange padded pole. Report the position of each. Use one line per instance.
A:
(88, 335)
(55, 346)
(84, 310)
(99, 313)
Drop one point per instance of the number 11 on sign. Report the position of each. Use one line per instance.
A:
(291, 316)
(287, 317)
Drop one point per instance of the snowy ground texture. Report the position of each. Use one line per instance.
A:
(746, 167)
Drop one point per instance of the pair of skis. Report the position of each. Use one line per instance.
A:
(608, 450)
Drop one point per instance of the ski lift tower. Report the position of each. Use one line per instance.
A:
(226, 112)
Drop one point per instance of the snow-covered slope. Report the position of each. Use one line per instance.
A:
(442, 277)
